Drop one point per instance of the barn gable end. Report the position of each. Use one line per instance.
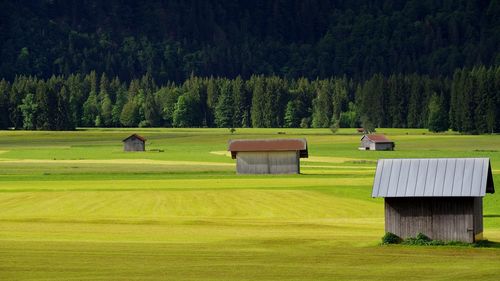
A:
(134, 142)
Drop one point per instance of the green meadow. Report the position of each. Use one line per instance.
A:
(74, 206)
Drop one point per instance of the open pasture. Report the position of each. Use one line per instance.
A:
(74, 206)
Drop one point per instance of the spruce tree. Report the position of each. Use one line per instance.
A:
(438, 117)
(28, 109)
(224, 110)
(292, 118)
(4, 105)
(258, 102)
(322, 106)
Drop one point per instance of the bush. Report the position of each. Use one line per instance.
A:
(421, 239)
(391, 238)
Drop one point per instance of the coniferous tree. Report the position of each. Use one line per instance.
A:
(63, 116)
(168, 97)
(258, 102)
(151, 111)
(129, 116)
(90, 111)
(120, 99)
(241, 103)
(292, 119)
(4, 104)
(438, 116)
(28, 109)
(322, 106)
(181, 115)
(224, 110)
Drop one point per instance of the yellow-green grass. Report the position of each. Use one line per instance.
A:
(74, 206)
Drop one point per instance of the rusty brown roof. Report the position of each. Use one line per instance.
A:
(135, 136)
(236, 146)
(377, 138)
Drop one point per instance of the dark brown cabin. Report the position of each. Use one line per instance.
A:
(441, 198)
(134, 142)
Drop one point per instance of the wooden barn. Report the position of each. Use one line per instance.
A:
(376, 142)
(272, 156)
(441, 198)
(134, 142)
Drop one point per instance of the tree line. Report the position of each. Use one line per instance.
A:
(172, 39)
(468, 102)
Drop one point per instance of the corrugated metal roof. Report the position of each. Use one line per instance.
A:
(377, 138)
(269, 145)
(433, 177)
(135, 136)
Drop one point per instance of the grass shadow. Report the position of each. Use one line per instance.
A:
(486, 244)
(492, 216)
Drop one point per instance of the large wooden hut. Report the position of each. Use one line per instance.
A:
(134, 142)
(375, 142)
(441, 198)
(271, 156)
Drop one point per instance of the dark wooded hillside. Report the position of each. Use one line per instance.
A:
(297, 38)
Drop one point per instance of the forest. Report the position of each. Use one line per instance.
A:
(467, 102)
(275, 63)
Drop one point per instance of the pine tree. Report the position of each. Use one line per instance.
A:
(292, 118)
(63, 118)
(181, 116)
(168, 97)
(240, 102)
(322, 106)
(224, 110)
(212, 95)
(258, 102)
(120, 91)
(28, 109)
(339, 98)
(4, 104)
(130, 114)
(438, 117)
(105, 105)
(151, 111)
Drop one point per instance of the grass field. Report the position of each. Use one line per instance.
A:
(74, 206)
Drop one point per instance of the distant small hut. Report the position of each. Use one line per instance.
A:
(376, 142)
(441, 198)
(272, 156)
(134, 142)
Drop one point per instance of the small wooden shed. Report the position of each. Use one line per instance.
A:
(271, 156)
(441, 198)
(376, 142)
(134, 142)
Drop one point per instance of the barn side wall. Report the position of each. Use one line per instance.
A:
(441, 218)
(133, 145)
(383, 146)
(275, 162)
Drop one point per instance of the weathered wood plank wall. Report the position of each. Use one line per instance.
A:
(276, 162)
(133, 144)
(442, 218)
